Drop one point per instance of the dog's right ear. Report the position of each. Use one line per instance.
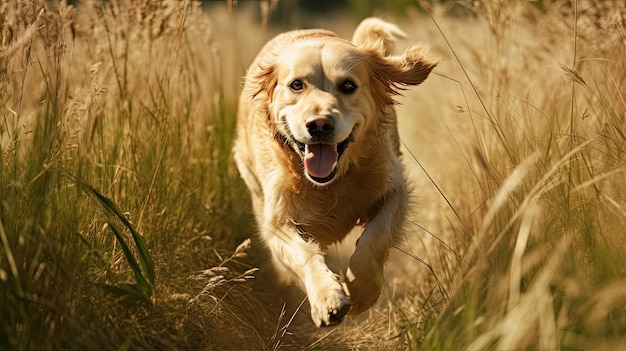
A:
(265, 80)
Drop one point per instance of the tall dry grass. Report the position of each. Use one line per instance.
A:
(119, 199)
(123, 223)
(530, 152)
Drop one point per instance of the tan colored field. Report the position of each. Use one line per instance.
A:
(124, 225)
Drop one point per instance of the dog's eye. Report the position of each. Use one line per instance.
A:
(347, 87)
(296, 85)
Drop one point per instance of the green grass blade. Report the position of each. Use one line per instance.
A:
(145, 259)
(143, 286)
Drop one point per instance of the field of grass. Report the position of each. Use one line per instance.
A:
(124, 224)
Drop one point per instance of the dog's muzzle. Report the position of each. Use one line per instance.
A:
(321, 160)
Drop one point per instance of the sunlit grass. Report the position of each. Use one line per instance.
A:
(538, 195)
(117, 185)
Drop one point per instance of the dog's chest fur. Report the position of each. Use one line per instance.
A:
(330, 213)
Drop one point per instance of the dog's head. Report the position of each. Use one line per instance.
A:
(326, 93)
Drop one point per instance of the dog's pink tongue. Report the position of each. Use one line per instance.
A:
(320, 160)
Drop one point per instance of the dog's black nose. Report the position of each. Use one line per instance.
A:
(320, 125)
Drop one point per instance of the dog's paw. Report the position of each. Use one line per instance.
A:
(329, 306)
(363, 291)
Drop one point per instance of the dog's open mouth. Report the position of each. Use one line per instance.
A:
(321, 159)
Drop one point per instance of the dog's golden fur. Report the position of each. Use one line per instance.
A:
(317, 145)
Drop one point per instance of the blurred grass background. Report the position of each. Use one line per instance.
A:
(124, 225)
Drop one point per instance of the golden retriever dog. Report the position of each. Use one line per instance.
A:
(317, 145)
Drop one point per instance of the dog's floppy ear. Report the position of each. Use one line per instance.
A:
(411, 68)
(374, 33)
(377, 38)
(265, 80)
(391, 73)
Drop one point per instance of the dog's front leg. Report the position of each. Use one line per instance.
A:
(304, 261)
(364, 276)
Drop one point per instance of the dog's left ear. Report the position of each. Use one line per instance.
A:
(390, 74)
(411, 68)
(374, 33)
(377, 38)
